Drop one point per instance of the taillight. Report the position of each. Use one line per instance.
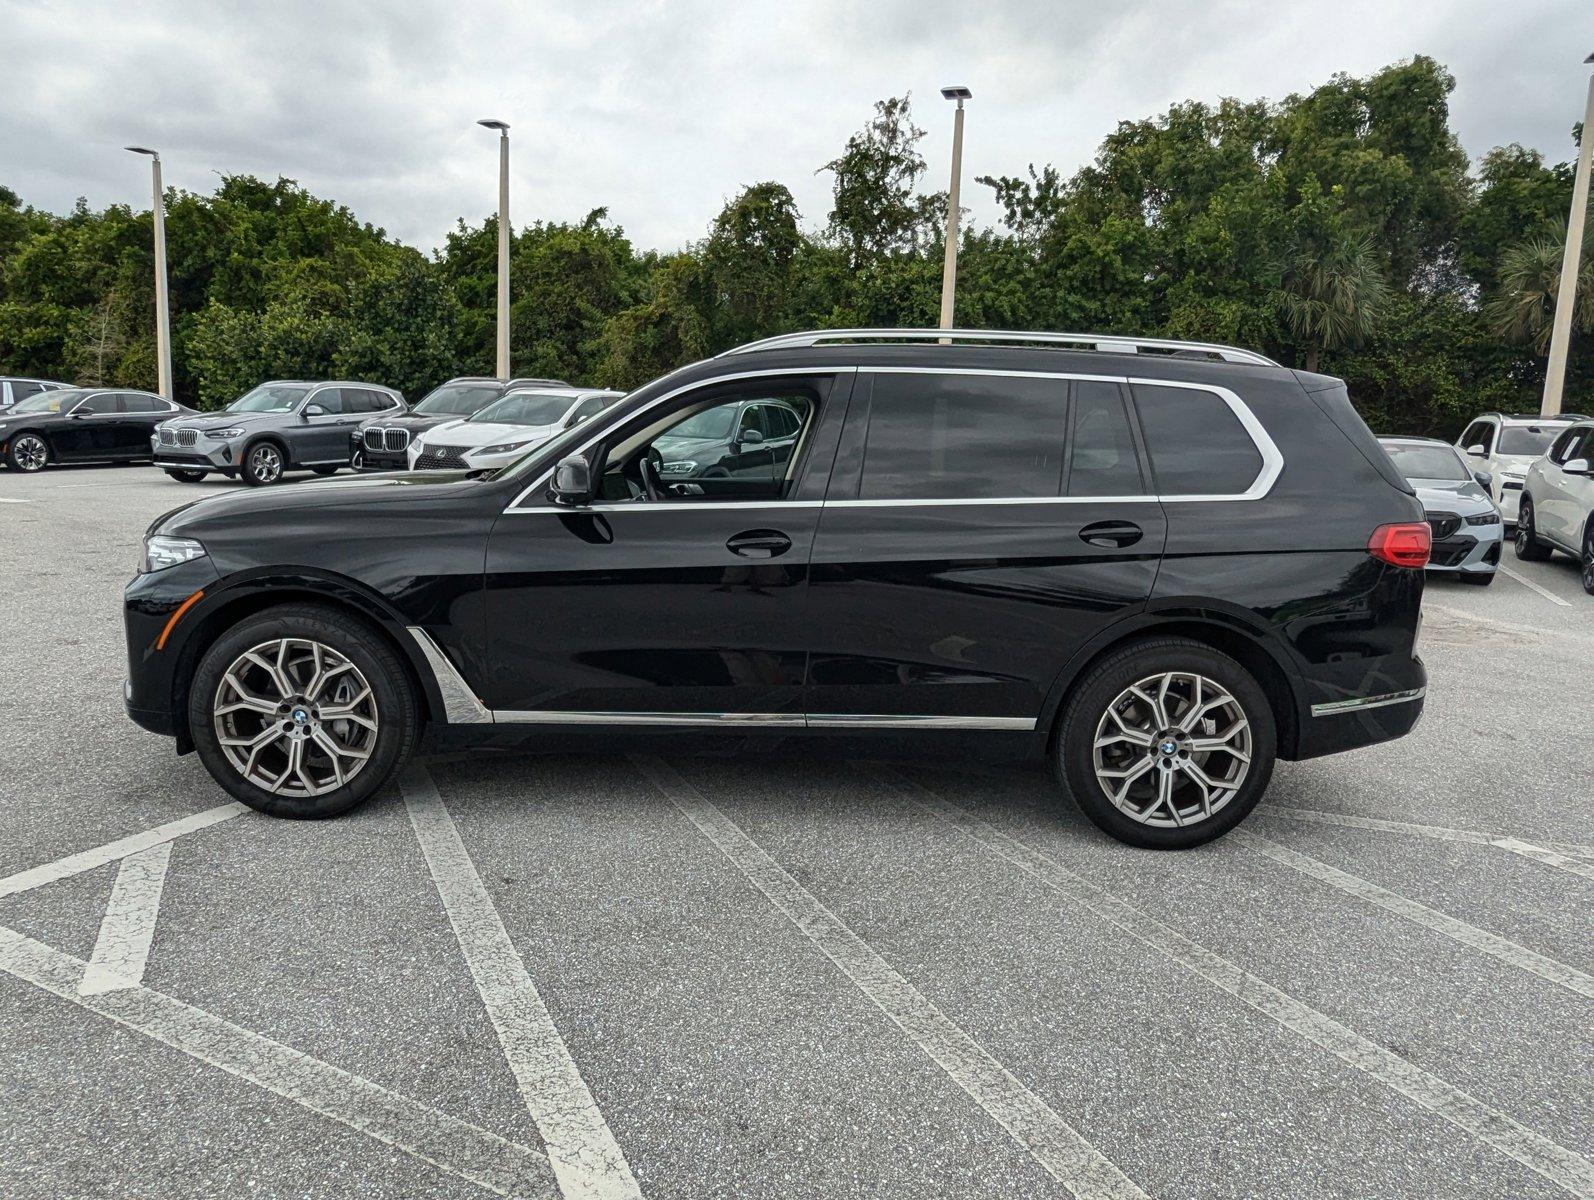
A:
(1404, 545)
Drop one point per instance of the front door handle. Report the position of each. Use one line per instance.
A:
(1113, 535)
(759, 543)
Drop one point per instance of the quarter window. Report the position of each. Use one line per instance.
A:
(962, 437)
(1102, 459)
(1197, 445)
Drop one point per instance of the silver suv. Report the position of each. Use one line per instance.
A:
(280, 426)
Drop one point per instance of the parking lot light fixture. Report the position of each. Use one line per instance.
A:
(949, 269)
(163, 323)
(1566, 293)
(503, 243)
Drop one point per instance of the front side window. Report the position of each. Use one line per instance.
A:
(964, 437)
(1573, 444)
(1479, 433)
(1197, 445)
(330, 399)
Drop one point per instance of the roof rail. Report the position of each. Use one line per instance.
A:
(1104, 342)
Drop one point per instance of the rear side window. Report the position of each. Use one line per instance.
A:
(1198, 446)
(1102, 459)
(105, 402)
(143, 404)
(964, 437)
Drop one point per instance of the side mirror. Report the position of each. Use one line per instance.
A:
(750, 437)
(314, 410)
(1485, 480)
(1577, 466)
(1477, 450)
(572, 480)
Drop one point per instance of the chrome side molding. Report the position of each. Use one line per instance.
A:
(1362, 703)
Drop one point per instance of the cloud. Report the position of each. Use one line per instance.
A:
(662, 110)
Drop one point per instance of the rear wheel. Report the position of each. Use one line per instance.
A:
(1527, 544)
(301, 711)
(29, 452)
(1166, 744)
(263, 464)
(186, 476)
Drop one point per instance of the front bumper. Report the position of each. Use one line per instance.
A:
(204, 455)
(1472, 550)
(371, 460)
(149, 603)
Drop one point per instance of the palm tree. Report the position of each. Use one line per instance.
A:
(1523, 308)
(1332, 294)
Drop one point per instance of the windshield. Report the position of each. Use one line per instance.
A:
(457, 399)
(270, 397)
(47, 402)
(1427, 462)
(710, 423)
(1527, 439)
(526, 408)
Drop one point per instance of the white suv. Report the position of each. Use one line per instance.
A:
(1557, 511)
(1505, 446)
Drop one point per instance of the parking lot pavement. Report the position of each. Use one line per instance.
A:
(782, 973)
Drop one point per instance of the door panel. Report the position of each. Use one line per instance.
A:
(323, 439)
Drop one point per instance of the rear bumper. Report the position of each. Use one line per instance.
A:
(1349, 722)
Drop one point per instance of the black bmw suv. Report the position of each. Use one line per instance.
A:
(1163, 565)
(382, 444)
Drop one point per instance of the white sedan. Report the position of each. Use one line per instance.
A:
(508, 427)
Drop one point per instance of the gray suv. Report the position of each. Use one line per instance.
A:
(280, 426)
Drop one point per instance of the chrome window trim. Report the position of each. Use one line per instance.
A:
(1334, 708)
(1272, 458)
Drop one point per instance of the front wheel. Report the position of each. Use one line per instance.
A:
(1166, 744)
(28, 453)
(263, 464)
(302, 711)
(324, 470)
(1587, 575)
(1527, 545)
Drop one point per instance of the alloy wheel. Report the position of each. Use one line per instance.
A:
(1588, 561)
(1172, 749)
(1524, 537)
(30, 453)
(295, 717)
(266, 463)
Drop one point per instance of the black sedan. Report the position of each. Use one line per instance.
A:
(82, 425)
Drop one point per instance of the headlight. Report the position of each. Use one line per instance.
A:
(1488, 518)
(222, 435)
(681, 466)
(161, 552)
(506, 447)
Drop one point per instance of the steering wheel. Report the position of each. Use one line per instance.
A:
(642, 474)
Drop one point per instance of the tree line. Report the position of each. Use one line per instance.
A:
(1343, 230)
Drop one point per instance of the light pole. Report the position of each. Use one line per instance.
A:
(1566, 294)
(503, 245)
(163, 320)
(949, 269)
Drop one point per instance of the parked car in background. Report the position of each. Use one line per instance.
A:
(1163, 564)
(1558, 502)
(74, 425)
(384, 444)
(280, 426)
(1505, 446)
(1467, 530)
(746, 441)
(16, 388)
(508, 427)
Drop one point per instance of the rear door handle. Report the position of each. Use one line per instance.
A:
(1111, 534)
(759, 543)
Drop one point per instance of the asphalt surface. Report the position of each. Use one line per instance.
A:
(785, 975)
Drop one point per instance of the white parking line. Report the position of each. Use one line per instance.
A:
(1565, 1168)
(1065, 1153)
(12, 500)
(88, 860)
(1528, 583)
(128, 927)
(1437, 832)
(586, 1159)
(1549, 858)
(1468, 935)
(451, 1145)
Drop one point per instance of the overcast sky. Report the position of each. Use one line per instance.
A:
(661, 111)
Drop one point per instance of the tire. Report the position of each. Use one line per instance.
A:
(1587, 573)
(1146, 815)
(186, 476)
(1477, 578)
(1526, 544)
(28, 452)
(325, 470)
(263, 464)
(371, 666)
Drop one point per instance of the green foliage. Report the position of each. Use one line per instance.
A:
(1340, 228)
